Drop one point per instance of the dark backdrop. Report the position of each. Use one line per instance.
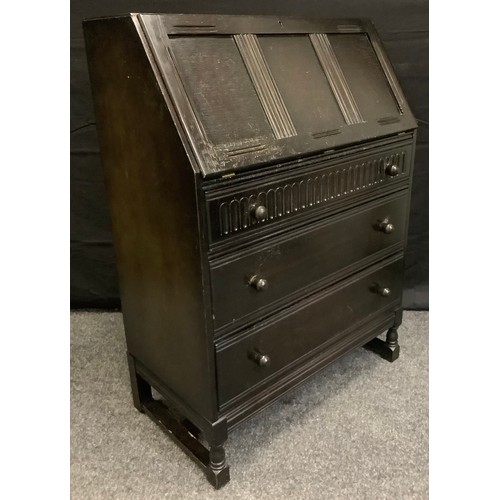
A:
(403, 27)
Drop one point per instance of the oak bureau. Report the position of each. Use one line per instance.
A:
(258, 171)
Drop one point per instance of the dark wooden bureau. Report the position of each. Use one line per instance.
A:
(258, 171)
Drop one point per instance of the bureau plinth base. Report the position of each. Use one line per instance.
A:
(387, 349)
(184, 433)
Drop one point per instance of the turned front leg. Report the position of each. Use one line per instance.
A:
(218, 469)
(391, 338)
(388, 349)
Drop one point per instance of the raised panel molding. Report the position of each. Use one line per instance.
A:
(336, 78)
(265, 86)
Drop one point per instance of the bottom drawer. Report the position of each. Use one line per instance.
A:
(258, 354)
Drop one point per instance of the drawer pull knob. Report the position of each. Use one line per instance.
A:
(392, 170)
(383, 291)
(258, 212)
(258, 283)
(386, 227)
(262, 360)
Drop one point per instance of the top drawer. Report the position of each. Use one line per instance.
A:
(243, 207)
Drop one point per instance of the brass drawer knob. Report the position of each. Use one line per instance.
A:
(258, 282)
(258, 212)
(392, 170)
(262, 360)
(383, 291)
(386, 227)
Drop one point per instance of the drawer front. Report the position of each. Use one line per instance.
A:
(256, 280)
(243, 208)
(265, 350)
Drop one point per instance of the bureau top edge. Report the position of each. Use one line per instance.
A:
(176, 22)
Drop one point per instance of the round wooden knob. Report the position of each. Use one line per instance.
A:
(262, 360)
(258, 282)
(386, 227)
(258, 212)
(392, 170)
(384, 291)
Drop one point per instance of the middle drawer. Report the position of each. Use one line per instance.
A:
(249, 283)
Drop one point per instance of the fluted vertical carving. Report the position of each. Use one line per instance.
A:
(304, 193)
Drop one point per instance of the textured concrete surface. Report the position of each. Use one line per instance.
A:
(358, 429)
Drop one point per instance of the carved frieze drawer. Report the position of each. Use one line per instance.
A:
(243, 208)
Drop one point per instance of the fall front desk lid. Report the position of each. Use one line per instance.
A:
(250, 91)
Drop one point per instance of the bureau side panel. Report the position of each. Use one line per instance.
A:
(153, 204)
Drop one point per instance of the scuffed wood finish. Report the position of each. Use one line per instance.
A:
(330, 184)
(188, 51)
(258, 171)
